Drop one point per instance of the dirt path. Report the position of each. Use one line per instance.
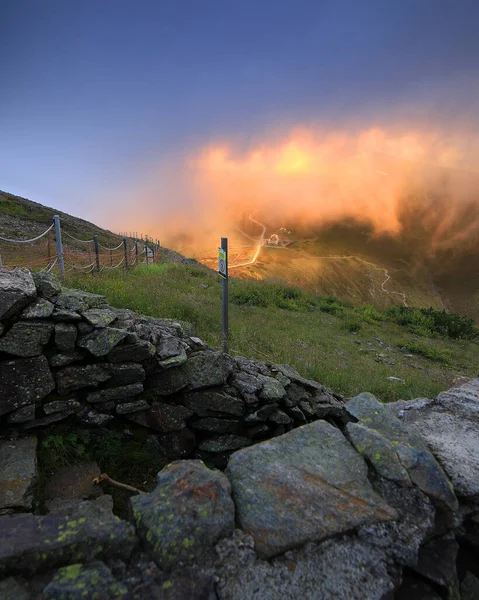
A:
(260, 241)
(258, 246)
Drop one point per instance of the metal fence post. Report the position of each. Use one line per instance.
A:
(97, 253)
(58, 236)
(224, 246)
(126, 253)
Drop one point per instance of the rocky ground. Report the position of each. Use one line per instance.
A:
(342, 499)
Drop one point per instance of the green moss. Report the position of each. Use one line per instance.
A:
(69, 573)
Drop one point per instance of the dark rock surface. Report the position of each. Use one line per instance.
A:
(77, 582)
(38, 309)
(47, 285)
(78, 377)
(304, 486)
(18, 472)
(453, 416)
(26, 338)
(212, 403)
(24, 381)
(17, 290)
(32, 544)
(137, 352)
(409, 448)
(65, 336)
(102, 341)
(190, 509)
(163, 417)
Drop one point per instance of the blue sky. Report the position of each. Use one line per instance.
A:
(92, 92)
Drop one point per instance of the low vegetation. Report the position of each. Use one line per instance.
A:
(131, 458)
(349, 348)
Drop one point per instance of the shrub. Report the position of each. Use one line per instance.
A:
(269, 295)
(428, 321)
(58, 450)
(437, 354)
(352, 325)
(369, 314)
(331, 305)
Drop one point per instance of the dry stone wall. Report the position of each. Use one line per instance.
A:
(355, 499)
(67, 354)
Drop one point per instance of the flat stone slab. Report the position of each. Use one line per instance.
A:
(24, 381)
(32, 544)
(26, 338)
(99, 317)
(47, 284)
(18, 472)
(162, 417)
(213, 403)
(190, 509)
(406, 447)
(205, 369)
(101, 341)
(78, 300)
(17, 290)
(303, 486)
(450, 425)
(39, 309)
(77, 377)
(65, 336)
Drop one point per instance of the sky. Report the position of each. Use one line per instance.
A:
(97, 95)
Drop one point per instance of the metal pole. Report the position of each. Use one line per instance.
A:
(146, 249)
(97, 253)
(126, 253)
(58, 236)
(111, 258)
(136, 251)
(49, 250)
(224, 246)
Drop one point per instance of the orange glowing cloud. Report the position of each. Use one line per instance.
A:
(313, 178)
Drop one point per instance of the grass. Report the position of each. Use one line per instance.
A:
(442, 355)
(350, 349)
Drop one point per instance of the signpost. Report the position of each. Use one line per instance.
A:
(223, 273)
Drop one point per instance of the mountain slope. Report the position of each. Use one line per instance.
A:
(21, 218)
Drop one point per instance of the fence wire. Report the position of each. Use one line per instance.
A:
(78, 255)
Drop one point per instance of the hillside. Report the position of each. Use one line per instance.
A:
(348, 260)
(22, 218)
(347, 344)
(348, 348)
(422, 252)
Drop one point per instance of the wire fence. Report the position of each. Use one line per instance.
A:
(57, 250)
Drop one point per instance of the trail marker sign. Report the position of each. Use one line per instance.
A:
(222, 268)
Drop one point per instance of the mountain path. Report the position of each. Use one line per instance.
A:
(260, 242)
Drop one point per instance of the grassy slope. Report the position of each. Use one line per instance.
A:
(319, 344)
(20, 217)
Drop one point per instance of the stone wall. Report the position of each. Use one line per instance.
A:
(66, 354)
(355, 499)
